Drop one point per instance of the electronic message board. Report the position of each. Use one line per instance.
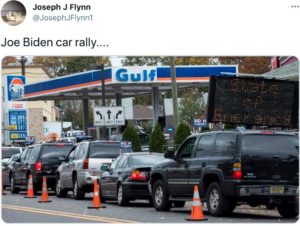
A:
(253, 101)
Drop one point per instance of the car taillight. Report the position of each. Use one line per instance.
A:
(138, 176)
(85, 164)
(38, 166)
(237, 171)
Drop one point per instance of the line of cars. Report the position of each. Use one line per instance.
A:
(230, 168)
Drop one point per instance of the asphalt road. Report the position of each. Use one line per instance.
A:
(16, 209)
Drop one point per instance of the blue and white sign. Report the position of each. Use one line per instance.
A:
(125, 144)
(134, 74)
(17, 135)
(15, 87)
(200, 122)
(17, 120)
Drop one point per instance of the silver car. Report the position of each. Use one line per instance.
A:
(83, 166)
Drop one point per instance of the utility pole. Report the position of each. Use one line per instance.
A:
(174, 92)
(103, 84)
(103, 130)
(23, 60)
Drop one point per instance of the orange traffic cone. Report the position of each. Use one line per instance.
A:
(197, 213)
(44, 197)
(96, 198)
(30, 193)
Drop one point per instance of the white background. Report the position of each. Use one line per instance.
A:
(163, 27)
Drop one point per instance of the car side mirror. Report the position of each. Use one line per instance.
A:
(18, 160)
(169, 154)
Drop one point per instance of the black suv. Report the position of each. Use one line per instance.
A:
(230, 167)
(38, 160)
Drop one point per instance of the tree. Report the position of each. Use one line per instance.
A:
(157, 140)
(182, 132)
(192, 106)
(60, 66)
(130, 134)
(251, 65)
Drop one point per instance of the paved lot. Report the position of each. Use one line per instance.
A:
(16, 209)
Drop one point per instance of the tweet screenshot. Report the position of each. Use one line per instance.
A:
(149, 111)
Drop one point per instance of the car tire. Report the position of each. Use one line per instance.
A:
(122, 199)
(59, 191)
(77, 191)
(270, 206)
(179, 204)
(217, 204)
(287, 210)
(13, 188)
(160, 196)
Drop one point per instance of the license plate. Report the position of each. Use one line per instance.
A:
(277, 189)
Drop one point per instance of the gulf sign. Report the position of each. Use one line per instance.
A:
(134, 75)
(15, 87)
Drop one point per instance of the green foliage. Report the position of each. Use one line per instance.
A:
(182, 132)
(192, 106)
(130, 134)
(157, 140)
(60, 66)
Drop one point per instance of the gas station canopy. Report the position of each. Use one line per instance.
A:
(125, 81)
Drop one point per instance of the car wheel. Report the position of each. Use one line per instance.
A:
(122, 199)
(60, 192)
(217, 204)
(270, 206)
(179, 204)
(160, 196)
(13, 188)
(287, 210)
(77, 191)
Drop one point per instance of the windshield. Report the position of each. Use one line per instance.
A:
(257, 143)
(148, 160)
(8, 152)
(53, 151)
(106, 150)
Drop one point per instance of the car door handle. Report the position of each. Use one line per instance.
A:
(119, 172)
(203, 164)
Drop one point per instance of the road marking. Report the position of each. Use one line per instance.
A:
(67, 214)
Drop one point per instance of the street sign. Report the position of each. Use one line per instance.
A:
(109, 116)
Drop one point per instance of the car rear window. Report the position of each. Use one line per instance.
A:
(106, 151)
(149, 160)
(258, 143)
(8, 152)
(50, 151)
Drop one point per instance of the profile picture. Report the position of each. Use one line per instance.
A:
(13, 13)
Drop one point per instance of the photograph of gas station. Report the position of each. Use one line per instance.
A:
(221, 128)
